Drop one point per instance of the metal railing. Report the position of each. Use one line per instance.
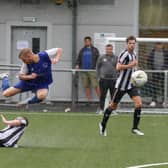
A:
(74, 72)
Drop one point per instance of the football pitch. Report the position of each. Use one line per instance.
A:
(72, 140)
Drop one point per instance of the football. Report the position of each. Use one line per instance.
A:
(139, 78)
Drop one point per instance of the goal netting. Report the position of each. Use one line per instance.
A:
(152, 54)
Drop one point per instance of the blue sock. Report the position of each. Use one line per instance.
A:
(5, 83)
(34, 100)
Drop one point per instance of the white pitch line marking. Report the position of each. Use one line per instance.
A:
(149, 165)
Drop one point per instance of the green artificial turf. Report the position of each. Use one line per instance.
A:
(72, 140)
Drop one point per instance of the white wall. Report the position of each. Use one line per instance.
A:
(119, 19)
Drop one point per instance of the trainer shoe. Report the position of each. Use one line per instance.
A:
(114, 112)
(103, 133)
(152, 104)
(137, 132)
(99, 111)
(16, 146)
(3, 75)
(164, 104)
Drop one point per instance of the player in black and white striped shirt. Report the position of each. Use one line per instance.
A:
(126, 65)
(11, 134)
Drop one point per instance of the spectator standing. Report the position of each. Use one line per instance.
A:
(86, 60)
(158, 60)
(107, 74)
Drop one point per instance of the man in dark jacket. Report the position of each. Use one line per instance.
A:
(86, 60)
(158, 60)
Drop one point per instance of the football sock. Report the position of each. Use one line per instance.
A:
(137, 115)
(5, 83)
(34, 100)
(106, 117)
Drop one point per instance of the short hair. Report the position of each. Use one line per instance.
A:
(109, 45)
(158, 43)
(130, 38)
(23, 117)
(27, 121)
(87, 38)
(24, 52)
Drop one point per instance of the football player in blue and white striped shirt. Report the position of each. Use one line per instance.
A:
(13, 131)
(126, 65)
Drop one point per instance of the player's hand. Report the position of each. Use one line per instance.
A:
(34, 75)
(3, 118)
(134, 63)
(55, 60)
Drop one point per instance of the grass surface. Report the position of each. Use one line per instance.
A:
(72, 140)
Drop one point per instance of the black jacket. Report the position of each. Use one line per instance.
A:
(95, 55)
(151, 60)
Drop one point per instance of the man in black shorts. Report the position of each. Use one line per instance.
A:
(126, 65)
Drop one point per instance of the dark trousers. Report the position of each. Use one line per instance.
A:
(157, 86)
(104, 85)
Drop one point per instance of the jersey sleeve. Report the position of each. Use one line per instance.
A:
(23, 69)
(51, 52)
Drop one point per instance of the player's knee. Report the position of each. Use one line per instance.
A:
(41, 96)
(113, 106)
(6, 94)
(138, 105)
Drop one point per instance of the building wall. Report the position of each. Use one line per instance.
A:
(119, 18)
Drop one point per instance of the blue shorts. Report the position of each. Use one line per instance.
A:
(28, 86)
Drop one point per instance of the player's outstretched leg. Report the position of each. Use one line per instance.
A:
(6, 89)
(103, 123)
(5, 81)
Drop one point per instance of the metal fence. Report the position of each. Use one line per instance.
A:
(75, 94)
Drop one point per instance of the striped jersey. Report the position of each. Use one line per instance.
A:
(124, 79)
(10, 135)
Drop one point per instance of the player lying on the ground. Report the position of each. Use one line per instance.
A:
(35, 75)
(11, 134)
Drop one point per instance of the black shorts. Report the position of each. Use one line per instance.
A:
(118, 94)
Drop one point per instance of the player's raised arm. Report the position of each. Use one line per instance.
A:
(14, 122)
(56, 53)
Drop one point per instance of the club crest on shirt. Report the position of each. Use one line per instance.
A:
(45, 65)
